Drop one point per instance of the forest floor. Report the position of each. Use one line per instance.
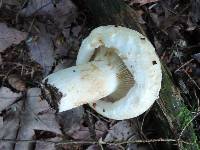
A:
(38, 37)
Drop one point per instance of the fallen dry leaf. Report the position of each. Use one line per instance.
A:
(71, 147)
(7, 97)
(121, 131)
(137, 147)
(42, 50)
(72, 124)
(9, 36)
(62, 11)
(16, 82)
(50, 43)
(196, 57)
(83, 133)
(143, 2)
(11, 123)
(70, 120)
(195, 11)
(101, 128)
(66, 63)
(80, 133)
(11, 2)
(47, 146)
(36, 116)
(93, 147)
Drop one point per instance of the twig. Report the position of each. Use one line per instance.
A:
(31, 25)
(191, 79)
(197, 114)
(198, 103)
(142, 124)
(97, 117)
(141, 127)
(95, 142)
(186, 63)
(40, 8)
(91, 126)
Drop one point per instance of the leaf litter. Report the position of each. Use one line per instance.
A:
(62, 11)
(42, 50)
(10, 36)
(121, 131)
(54, 39)
(11, 124)
(33, 118)
(7, 97)
(34, 115)
(25, 119)
(16, 82)
(49, 43)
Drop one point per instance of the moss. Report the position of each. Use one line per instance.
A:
(184, 117)
(178, 115)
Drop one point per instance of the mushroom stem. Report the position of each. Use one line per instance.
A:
(84, 83)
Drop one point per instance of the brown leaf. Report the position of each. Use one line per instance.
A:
(195, 11)
(101, 128)
(11, 2)
(100, 125)
(10, 126)
(82, 133)
(62, 11)
(42, 50)
(46, 145)
(71, 147)
(121, 131)
(196, 57)
(9, 36)
(71, 120)
(93, 147)
(7, 97)
(16, 82)
(143, 2)
(72, 124)
(36, 116)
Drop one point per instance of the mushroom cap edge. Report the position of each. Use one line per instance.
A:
(139, 56)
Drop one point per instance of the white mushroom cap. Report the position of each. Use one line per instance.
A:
(139, 57)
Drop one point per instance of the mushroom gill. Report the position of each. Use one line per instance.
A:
(124, 76)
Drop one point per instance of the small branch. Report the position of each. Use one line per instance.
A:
(191, 79)
(96, 142)
(185, 127)
(185, 64)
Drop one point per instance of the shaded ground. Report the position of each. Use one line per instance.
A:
(42, 36)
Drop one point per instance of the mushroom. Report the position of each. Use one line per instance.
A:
(117, 72)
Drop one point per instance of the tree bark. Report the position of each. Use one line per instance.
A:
(170, 106)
